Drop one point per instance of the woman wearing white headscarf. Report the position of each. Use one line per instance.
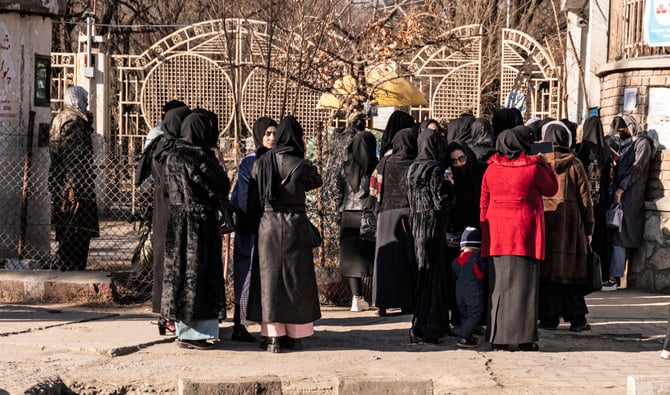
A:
(72, 182)
(630, 180)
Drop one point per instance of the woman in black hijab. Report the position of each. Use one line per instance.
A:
(482, 139)
(596, 156)
(284, 297)
(193, 287)
(505, 118)
(429, 195)
(397, 121)
(394, 275)
(353, 189)
(153, 165)
(245, 234)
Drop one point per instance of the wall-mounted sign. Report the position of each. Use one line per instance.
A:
(629, 99)
(656, 23)
(42, 83)
(658, 115)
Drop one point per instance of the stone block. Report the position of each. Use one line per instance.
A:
(658, 80)
(266, 385)
(383, 386)
(662, 282)
(652, 229)
(661, 259)
(648, 385)
(665, 165)
(56, 286)
(665, 155)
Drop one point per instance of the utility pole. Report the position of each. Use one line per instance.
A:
(93, 75)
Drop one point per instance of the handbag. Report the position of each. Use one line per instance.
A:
(314, 235)
(595, 280)
(368, 229)
(224, 219)
(614, 216)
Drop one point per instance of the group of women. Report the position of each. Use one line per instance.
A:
(536, 213)
(274, 271)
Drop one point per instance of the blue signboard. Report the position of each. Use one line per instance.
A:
(657, 23)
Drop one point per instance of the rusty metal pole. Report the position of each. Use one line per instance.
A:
(26, 180)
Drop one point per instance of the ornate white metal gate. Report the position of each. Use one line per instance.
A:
(528, 68)
(451, 76)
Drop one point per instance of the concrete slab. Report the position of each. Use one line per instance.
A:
(15, 319)
(266, 385)
(648, 385)
(385, 385)
(93, 333)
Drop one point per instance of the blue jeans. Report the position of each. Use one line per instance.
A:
(617, 261)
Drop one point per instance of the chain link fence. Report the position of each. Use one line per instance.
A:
(46, 222)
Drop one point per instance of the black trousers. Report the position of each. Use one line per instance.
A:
(72, 250)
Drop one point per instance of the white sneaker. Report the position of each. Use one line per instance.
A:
(609, 286)
(665, 354)
(358, 303)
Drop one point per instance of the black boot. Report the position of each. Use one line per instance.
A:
(240, 334)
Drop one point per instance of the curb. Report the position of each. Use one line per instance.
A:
(56, 286)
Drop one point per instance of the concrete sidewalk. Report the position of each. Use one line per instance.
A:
(101, 350)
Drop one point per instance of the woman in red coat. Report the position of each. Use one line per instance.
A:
(512, 220)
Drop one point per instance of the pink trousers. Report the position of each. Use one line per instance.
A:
(296, 331)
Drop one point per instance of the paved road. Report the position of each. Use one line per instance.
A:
(102, 349)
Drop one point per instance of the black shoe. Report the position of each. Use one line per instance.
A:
(499, 347)
(580, 328)
(240, 334)
(414, 339)
(194, 344)
(290, 343)
(264, 343)
(165, 325)
(547, 327)
(273, 345)
(381, 312)
(467, 343)
(529, 347)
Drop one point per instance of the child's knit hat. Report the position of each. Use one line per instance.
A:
(471, 237)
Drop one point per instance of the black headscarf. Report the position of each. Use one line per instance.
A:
(405, 144)
(460, 128)
(432, 153)
(505, 118)
(593, 132)
(425, 123)
(363, 158)
(171, 131)
(397, 121)
(172, 104)
(196, 130)
(260, 126)
(482, 136)
(557, 135)
(288, 141)
(513, 142)
(472, 158)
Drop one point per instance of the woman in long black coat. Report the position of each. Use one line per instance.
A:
(429, 196)
(245, 250)
(628, 187)
(193, 286)
(394, 273)
(596, 156)
(353, 189)
(286, 287)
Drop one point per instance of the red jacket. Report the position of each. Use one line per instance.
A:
(511, 209)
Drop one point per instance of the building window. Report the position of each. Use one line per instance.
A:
(42, 83)
(626, 31)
